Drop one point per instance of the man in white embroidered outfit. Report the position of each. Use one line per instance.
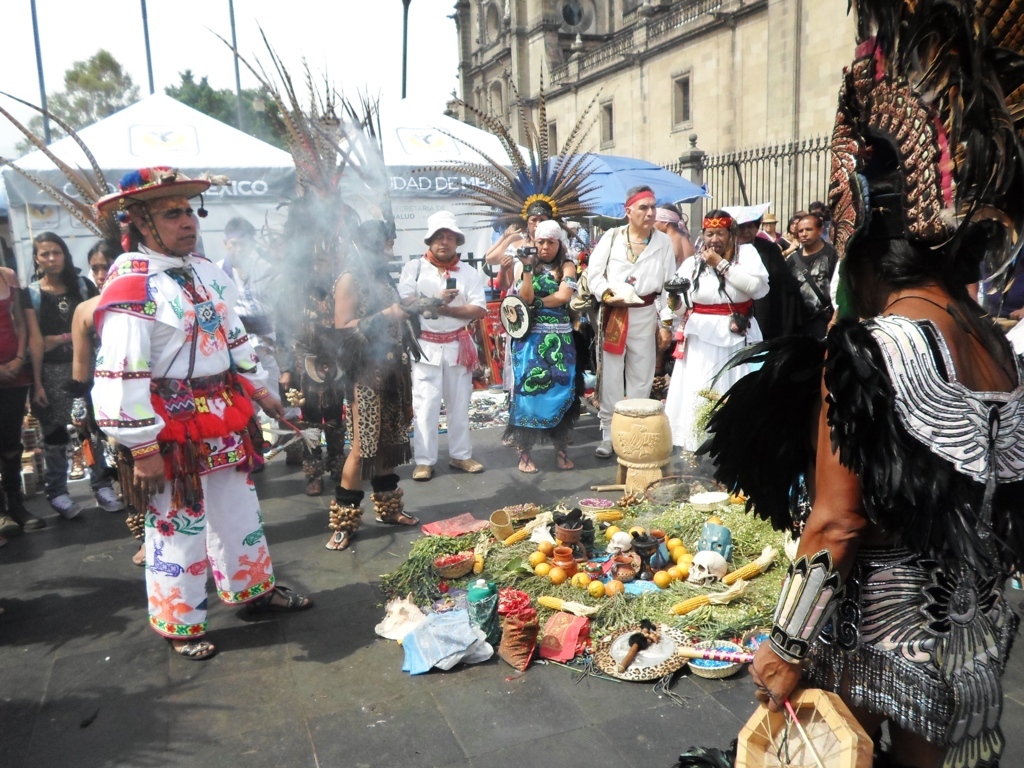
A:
(176, 379)
(627, 272)
(449, 351)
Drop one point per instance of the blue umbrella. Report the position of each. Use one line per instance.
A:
(613, 175)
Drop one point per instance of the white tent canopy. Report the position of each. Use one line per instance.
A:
(157, 130)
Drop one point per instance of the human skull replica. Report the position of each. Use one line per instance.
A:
(621, 542)
(707, 568)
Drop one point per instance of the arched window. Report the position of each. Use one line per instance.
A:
(492, 23)
(497, 101)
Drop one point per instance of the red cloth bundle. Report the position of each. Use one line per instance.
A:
(564, 637)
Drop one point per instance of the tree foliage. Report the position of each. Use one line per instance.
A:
(222, 104)
(93, 89)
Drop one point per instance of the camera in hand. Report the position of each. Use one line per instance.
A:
(677, 285)
(526, 252)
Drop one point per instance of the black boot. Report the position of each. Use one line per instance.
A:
(10, 479)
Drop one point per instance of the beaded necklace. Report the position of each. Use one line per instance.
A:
(629, 245)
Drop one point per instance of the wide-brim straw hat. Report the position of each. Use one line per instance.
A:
(151, 184)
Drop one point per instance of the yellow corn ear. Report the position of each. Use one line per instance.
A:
(478, 564)
(683, 608)
(554, 603)
(521, 535)
(748, 571)
(609, 515)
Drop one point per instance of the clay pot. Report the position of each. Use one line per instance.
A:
(563, 558)
(623, 568)
(568, 535)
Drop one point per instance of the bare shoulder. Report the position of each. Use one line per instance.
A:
(10, 277)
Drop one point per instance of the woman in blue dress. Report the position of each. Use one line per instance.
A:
(545, 401)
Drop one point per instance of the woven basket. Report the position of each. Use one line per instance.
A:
(716, 669)
(457, 569)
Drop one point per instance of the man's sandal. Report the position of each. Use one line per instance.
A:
(293, 601)
(194, 650)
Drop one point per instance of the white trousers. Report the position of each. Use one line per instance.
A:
(227, 530)
(429, 384)
(630, 374)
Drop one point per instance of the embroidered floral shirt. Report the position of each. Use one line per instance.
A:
(165, 317)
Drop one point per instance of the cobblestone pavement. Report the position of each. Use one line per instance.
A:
(84, 682)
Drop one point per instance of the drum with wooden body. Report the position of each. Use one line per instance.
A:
(837, 740)
(642, 439)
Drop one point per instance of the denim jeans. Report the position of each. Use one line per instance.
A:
(55, 473)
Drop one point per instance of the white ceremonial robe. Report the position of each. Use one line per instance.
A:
(153, 340)
(631, 374)
(709, 342)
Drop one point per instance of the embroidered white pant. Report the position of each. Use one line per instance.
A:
(630, 374)
(228, 529)
(429, 384)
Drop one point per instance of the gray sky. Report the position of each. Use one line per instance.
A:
(357, 42)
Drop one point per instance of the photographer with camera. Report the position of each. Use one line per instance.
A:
(725, 279)
(503, 252)
(545, 389)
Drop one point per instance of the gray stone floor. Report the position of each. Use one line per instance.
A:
(83, 682)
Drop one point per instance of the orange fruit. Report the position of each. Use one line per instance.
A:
(541, 569)
(546, 547)
(684, 562)
(679, 553)
(538, 557)
(684, 570)
(674, 573)
(638, 530)
(714, 519)
(595, 588)
(611, 530)
(674, 543)
(614, 587)
(581, 580)
(662, 579)
(557, 575)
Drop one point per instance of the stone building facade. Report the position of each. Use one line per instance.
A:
(737, 73)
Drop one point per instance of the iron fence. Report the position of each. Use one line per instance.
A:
(790, 175)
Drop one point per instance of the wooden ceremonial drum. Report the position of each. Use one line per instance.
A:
(769, 740)
(642, 439)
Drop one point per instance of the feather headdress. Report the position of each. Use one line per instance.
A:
(935, 94)
(88, 185)
(334, 142)
(543, 174)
